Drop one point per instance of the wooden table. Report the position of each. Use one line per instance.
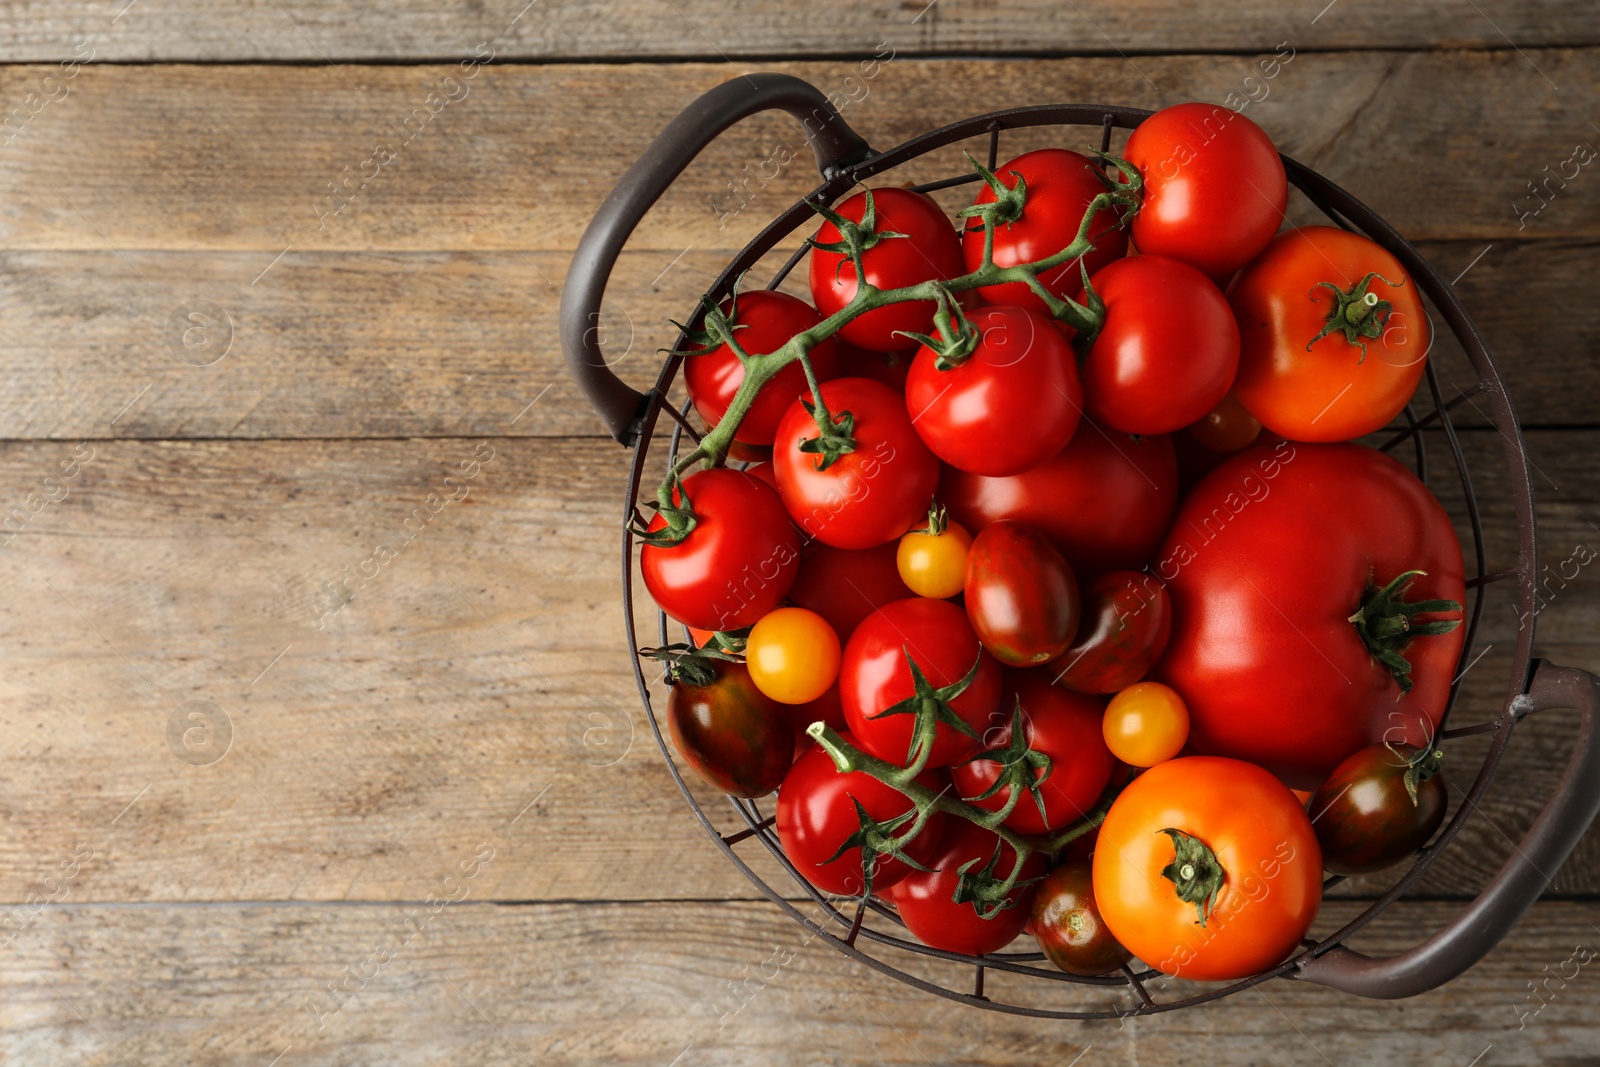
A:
(320, 747)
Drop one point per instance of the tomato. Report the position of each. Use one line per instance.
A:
(1012, 404)
(1228, 427)
(1105, 500)
(890, 368)
(1167, 350)
(1214, 187)
(926, 899)
(874, 677)
(729, 731)
(764, 471)
(741, 533)
(1067, 924)
(793, 655)
(1127, 619)
(868, 496)
(1268, 560)
(1366, 819)
(934, 564)
(845, 585)
(1300, 372)
(1063, 726)
(816, 816)
(763, 322)
(1146, 724)
(1059, 186)
(928, 250)
(1021, 596)
(1242, 835)
(825, 708)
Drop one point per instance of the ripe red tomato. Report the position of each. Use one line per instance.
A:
(890, 368)
(1067, 924)
(846, 585)
(816, 816)
(764, 322)
(1013, 403)
(874, 677)
(1267, 561)
(1214, 187)
(1300, 378)
(1059, 186)
(926, 899)
(733, 735)
(1127, 619)
(1021, 596)
(1104, 500)
(825, 708)
(930, 249)
(1062, 725)
(738, 561)
(1167, 351)
(868, 496)
(1186, 826)
(1366, 818)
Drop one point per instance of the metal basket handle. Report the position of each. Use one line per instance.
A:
(1513, 890)
(834, 144)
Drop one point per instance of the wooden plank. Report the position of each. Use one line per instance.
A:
(411, 30)
(728, 984)
(244, 156)
(472, 687)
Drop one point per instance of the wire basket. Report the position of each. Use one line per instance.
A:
(869, 930)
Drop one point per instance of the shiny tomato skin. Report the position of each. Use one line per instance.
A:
(1021, 596)
(925, 899)
(1267, 560)
(1105, 500)
(763, 322)
(874, 676)
(792, 655)
(1125, 626)
(1067, 923)
(929, 250)
(1333, 391)
(1261, 837)
(1064, 726)
(1364, 817)
(1214, 187)
(1011, 405)
(868, 496)
(1060, 185)
(1146, 724)
(1167, 351)
(845, 585)
(742, 533)
(815, 816)
(734, 736)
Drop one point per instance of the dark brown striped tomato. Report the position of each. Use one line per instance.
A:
(1365, 817)
(1067, 924)
(731, 733)
(1021, 596)
(1127, 618)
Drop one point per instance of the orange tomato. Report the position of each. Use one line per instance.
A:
(792, 655)
(1146, 724)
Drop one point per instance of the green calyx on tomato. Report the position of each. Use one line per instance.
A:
(835, 433)
(1384, 621)
(957, 337)
(988, 893)
(857, 237)
(688, 664)
(1420, 768)
(931, 706)
(1361, 315)
(1021, 767)
(878, 839)
(675, 512)
(938, 520)
(1007, 203)
(1194, 872)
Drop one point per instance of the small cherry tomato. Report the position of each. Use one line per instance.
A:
(926, 899)
(1127, 619)
(1365, 816)
(1067, 924)
(845, 585)
(933, 561)
(793, 655)
(728, 730)
(1227, 428)
(1021, 596)
(1146, 724)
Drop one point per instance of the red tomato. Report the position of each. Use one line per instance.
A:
(816, 816)
(890, 368)
(868, 496)
(1059, 186)
(763, 471)
(1214, 187)
(846, 585)
(874, 677)
(930, 249)
(1021, 596)
(1167, 351)
(1301, 379)
(763, 322)
(926, 899)
(742, 535)
(1104, 500)
(1062, 725)
(1127, 620)
(825, 708)
(1269, 558)
(733, 735)
(1013, 403)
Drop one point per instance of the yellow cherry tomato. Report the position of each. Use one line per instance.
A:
(792, 655)
(934, 565)
(1146, 724)
(1228, 428)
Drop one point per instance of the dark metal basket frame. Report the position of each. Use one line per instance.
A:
(845, 160)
